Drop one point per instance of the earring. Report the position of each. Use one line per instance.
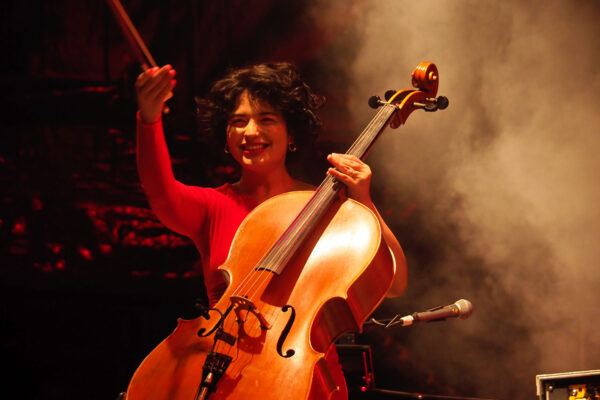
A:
(292, 147)
(226, 149)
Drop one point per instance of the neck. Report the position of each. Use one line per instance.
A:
(262, 186)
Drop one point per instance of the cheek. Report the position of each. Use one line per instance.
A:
(232, 142)
(231, 137)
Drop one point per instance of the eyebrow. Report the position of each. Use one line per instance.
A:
(274, 112)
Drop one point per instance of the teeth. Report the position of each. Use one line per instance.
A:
(255, 147)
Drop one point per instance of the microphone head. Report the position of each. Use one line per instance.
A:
(465, 308)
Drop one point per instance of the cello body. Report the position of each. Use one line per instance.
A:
(344, 263)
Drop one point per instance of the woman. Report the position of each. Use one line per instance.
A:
(263, 112)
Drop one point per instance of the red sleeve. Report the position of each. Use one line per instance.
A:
(176, 205)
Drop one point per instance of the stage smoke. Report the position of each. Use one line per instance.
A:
(495, 198)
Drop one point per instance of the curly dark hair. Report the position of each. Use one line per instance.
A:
(278, 84)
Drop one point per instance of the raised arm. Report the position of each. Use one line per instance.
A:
(174, 203)
(356, 175)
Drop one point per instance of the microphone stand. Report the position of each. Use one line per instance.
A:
(385, 323)
(460, 309)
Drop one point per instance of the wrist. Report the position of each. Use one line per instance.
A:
(148, 120)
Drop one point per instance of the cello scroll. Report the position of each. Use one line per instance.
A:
(425, 79)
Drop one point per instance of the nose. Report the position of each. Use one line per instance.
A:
(252, 128)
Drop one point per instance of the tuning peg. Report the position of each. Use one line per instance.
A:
(433, 104)
(442, 102)
(375, 101)
(389, 93)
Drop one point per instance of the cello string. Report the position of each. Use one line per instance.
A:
(275, 250)
(250, 326)
(308, 215)
(285, 244)
(269, 255)
(369, 134)
(365, 139)
(271, 315)
(219, 343)
(269, 312)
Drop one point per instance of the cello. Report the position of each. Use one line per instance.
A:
(303, 268)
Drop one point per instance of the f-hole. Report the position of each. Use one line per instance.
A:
(285, 332)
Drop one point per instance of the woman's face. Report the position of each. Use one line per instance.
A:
(257, 135)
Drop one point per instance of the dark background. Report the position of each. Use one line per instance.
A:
(494, 200)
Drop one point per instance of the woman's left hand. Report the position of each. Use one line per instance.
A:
(354, 173)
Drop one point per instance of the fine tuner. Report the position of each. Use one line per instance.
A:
(431, 103)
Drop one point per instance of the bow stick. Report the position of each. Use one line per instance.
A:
(133, 37)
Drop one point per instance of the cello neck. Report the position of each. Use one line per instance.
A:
(370, 134)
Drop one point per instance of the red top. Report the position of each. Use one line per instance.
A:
(210, 217)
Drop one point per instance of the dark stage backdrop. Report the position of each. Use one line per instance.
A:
(494, 199)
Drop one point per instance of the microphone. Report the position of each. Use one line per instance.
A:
(461, 309)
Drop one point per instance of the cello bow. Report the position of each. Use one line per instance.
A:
(133, 37)
(141, 52)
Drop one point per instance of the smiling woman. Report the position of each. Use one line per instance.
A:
(279, 88)
(260, 113)
(257, 136)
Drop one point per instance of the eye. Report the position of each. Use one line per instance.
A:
(269, 120)
(237, 122)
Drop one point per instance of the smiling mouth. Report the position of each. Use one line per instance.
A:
(254, 147)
